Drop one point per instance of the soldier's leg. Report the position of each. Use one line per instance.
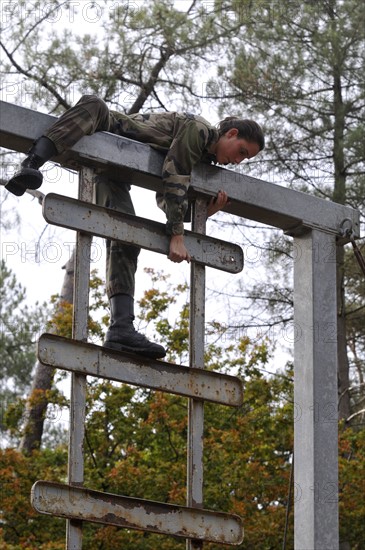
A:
(121, 265)
(89, 115)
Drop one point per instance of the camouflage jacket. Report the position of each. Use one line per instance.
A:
(186, 138)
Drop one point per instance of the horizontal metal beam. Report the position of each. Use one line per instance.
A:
(71, 355)
(275, 205)
(148, 234)
(251, 198)
(132, 513)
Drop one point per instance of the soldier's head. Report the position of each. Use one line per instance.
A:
(239, 139)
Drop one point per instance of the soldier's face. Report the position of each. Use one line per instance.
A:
(231, 149)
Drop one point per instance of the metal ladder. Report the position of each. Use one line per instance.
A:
(75, 502)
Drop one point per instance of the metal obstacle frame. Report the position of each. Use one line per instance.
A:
(316, 227)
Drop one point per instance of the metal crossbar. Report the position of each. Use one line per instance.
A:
(287, 209)
(73, 356)
(103, 222)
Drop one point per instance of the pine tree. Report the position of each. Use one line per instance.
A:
(299, 67)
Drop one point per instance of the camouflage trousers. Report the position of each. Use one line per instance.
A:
(88, 116)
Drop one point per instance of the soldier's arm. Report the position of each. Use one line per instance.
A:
(185, 151)
(178, 252)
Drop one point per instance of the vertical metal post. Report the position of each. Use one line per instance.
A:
(315, 393)
(78, 381)
(196, 346)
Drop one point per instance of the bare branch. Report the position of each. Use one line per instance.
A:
(42, 81)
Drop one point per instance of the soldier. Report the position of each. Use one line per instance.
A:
(187, 139)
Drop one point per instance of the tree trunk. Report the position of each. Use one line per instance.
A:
(339, 195)
(43, 379)
(344, 407)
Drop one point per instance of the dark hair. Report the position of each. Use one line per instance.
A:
(247, 129)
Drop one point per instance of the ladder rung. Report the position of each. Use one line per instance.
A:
(132, 513)
(89, 359)
(104, 222)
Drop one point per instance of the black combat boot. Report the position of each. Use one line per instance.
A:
(29, 176)
(122, 335)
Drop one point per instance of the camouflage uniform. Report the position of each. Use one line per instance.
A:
(185, 138)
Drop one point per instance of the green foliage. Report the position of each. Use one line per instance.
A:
(22, 527)
(20, 328)
(135, 445)
(302, 66)
(298, 68)
(352, 487)
(155, 305)
(355, 287)
(140, 54)
(61, 320)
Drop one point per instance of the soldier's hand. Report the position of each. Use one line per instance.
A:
(178, 253)
(217, 203)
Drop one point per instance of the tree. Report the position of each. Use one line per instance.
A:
(20, 328)
(355, 290)
(300, 68)
(135, 445)
(140, 55)
(41, 390)
(44, 389)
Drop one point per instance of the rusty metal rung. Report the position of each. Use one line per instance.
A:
(103, 222)
(133, 513)
(83, 358)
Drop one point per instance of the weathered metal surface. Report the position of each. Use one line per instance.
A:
(195, 468)
(95, 220)
(315, 393)
(250, 198)
(132, 513)
(98, 361)
(78, 380)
